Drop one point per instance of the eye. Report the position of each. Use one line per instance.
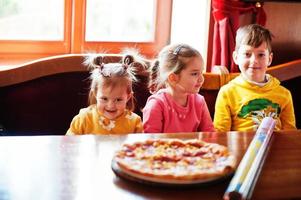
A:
(261, 55)
(194, 74)
(119, 99)
(103, 99)
(247, 54)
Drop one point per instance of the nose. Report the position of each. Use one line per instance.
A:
(253, 58)
(111, 104)
(201, 79)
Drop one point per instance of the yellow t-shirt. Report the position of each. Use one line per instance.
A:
(90, 121)
(241, 105)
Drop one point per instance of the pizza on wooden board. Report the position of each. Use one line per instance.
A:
(175, 160)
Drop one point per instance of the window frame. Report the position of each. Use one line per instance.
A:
(13, 47)
(161, 37)
(74, 36)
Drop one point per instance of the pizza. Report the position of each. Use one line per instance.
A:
(174, 160)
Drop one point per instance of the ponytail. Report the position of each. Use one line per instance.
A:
(154, 75)
(138, 69)
(93, 61)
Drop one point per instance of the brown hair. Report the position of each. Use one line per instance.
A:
(171, 59)
(253, 35)
(113, 74)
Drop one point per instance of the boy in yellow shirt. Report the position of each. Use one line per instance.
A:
(246, 100)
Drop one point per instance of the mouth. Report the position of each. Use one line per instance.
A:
(110, 114)
(111, 111)
(254, 68)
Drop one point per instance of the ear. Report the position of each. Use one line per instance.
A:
(234, 56)
(270, 59)
(130, 96)
(173, 78)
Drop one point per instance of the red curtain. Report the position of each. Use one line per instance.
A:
(226, 22)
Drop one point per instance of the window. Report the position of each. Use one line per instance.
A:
(32, 20)
(120, 21)
(34, 27)
(39, 28)
(191, 27)
(42, 27)
(151, 29)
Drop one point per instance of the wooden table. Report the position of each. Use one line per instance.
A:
(79, 167)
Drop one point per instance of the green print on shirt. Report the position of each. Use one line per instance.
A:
(258, 109)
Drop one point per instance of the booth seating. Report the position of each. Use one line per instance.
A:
(42, 97)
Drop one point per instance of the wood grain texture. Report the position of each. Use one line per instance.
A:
(79, 167)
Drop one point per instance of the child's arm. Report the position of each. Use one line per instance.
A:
(69, 132)
(287, 116)
(153, 117)
(75, 126)
(206, 121)
(222, 115)
(139, 125)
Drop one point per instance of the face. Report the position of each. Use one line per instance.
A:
(112, 102)
(191, 79)
(253, 62)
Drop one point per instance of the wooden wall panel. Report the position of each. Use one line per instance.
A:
(284, 20)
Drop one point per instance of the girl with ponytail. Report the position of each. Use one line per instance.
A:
(175, 80)
(110, 98)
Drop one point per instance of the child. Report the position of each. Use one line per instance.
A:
(245, 101)
(176, 106)
(111, 100)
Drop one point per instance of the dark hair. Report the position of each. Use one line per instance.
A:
(253, 35)
(111, 75)
(171, 59)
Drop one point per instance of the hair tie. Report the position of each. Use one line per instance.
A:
(177, 50)
(102, 71)
(125, 66)
(128, 59)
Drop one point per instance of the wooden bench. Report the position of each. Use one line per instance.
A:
(42, 97)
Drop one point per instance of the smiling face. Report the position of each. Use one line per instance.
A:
(253, 61)
(112, 101)
(191, 78)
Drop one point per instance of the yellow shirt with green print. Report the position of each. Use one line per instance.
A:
(241, 105)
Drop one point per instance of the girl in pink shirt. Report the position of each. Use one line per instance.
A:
(176, 106)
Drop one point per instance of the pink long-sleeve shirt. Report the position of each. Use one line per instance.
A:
(162, 114)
